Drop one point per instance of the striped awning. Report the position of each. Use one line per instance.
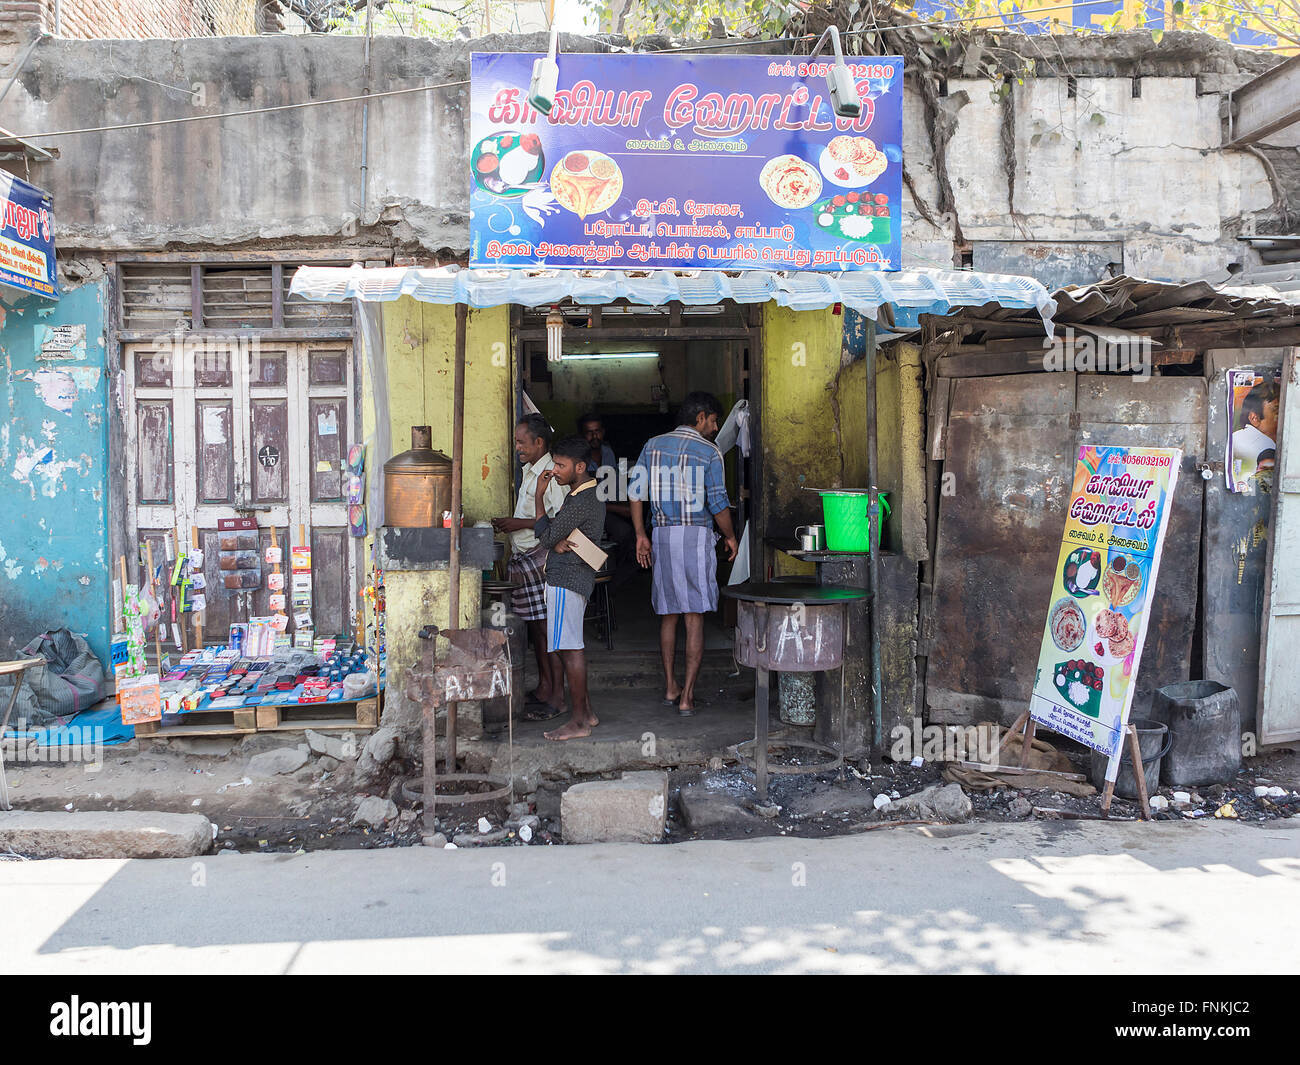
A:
(911, 291)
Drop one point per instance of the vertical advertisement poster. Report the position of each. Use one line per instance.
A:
(1253, 403)
(1105, 580)
(703, 162)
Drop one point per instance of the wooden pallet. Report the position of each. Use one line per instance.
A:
(201, 723)
(354, 713)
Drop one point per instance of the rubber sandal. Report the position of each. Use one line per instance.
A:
(537, 713)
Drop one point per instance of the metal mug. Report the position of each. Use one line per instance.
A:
(813, 539)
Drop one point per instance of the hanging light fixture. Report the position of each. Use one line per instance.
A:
(546, 76)
(554, 335)
(843, 89)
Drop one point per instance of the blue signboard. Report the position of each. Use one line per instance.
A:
(27, 238)
(703, 162)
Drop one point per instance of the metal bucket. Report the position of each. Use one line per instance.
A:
(1153, 742)
(789, 637)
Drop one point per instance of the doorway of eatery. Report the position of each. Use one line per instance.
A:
(625, 370)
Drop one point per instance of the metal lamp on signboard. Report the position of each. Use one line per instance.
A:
(843, 90)
(554, 335)
(546, 77)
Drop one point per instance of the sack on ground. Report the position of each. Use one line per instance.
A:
(71, 680)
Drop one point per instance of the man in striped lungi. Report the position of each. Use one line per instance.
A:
(680, 475)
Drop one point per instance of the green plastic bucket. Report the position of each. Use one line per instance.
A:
(845, 515)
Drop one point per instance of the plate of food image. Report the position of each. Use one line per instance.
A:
(790, 182)
(1122, 581)
(852, 162)
(1068, 625)
(1079, 684)
(586, 182)
(1082, 572)
(855, 216)
(507, 163)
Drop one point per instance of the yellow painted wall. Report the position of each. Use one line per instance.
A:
(797, 418)
(900, 440)
(420, 339)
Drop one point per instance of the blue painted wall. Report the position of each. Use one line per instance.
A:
(54, 567)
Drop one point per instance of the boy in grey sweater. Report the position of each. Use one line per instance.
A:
(569, 580)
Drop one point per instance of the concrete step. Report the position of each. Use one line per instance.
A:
(104, 834)
(636, 669)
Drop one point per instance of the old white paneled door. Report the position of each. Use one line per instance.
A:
(245, 428)
(1279, 665)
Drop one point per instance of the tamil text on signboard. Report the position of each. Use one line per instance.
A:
(721, 162)
(26, 238)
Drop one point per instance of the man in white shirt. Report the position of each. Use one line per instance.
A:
(528, 561)
(1254, 444)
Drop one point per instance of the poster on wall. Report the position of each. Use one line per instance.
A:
(1103, 586)
(1253, 402)
(703, 162)
(27, 238)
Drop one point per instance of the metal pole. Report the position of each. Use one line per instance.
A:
(365, 119)
(457, 460)
(873, 560)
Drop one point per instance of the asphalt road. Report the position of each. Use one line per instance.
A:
(1037, 897)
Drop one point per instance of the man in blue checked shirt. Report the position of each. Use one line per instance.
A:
(679, 474)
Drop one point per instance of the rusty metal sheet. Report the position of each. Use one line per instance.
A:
(1011, 453)
(464, 665)
(1006, 483)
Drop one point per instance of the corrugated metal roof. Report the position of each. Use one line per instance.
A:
(925, 291)
(1139, 304)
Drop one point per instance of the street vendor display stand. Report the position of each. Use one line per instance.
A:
(793, 628)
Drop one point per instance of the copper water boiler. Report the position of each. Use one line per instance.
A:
(417, 483)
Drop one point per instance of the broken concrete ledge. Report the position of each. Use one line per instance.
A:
(104, 834)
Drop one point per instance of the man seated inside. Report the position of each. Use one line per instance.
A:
(569, 580)
(528, 560)
(603, 465)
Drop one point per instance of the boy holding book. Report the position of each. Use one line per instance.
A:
(569, 579)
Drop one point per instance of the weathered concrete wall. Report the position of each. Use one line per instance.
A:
(283, 176)
(1101, 164)
(54, 469)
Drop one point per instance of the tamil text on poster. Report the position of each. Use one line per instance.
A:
(707, 162)
(1103, 586)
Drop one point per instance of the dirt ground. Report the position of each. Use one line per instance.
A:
(313, 807)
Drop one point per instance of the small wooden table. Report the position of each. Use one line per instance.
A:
(17, 668)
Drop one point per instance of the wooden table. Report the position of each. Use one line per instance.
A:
(17, 669)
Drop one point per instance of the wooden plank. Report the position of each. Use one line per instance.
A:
(356, 714)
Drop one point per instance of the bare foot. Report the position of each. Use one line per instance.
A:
(572, 730)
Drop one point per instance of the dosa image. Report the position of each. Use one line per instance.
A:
(852, 162)
(586, 182)
(790, 182)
